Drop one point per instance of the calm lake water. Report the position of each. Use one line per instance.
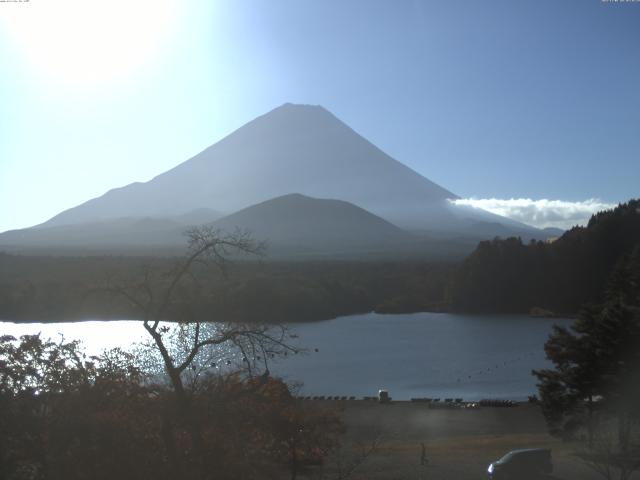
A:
(411, 355)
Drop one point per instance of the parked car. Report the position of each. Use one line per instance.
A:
(525, 463)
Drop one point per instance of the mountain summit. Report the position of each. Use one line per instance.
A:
(293, 148)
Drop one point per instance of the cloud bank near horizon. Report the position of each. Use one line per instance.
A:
(541, 213)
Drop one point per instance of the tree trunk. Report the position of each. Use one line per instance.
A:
(168, 438)
(294, 460)
(182, 404)
(186, 414)
(624, 430)
(590, 421)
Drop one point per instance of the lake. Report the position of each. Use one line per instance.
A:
(410, 355)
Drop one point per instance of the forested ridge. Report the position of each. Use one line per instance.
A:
(507, 275)
(51, 288)
(500, 276)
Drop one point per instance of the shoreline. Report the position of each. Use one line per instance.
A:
(553, 316)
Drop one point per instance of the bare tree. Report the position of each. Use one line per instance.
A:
(173, 296)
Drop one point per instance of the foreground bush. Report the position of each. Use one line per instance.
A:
(65, 416)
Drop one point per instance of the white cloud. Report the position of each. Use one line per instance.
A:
(540, 213)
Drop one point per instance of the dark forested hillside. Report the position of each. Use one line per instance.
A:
(73, 288)
(506, 275)
(501, 275)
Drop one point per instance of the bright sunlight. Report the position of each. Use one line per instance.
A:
(87, 42)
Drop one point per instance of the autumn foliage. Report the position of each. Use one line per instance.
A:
(65, 416)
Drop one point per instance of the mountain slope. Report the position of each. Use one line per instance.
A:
(294, 148)
(295, 222)
(109, 234)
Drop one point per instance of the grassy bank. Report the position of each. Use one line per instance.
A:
(459, 443)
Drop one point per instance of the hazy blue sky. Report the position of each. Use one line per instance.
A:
(492, 99)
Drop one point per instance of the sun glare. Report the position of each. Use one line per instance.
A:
(88, 42)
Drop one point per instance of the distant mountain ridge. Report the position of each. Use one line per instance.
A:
(292, 226)
(118, 233)
(292, 223)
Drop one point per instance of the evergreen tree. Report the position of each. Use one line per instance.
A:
(596, 377)
(505, 275)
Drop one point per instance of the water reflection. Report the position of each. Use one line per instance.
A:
(417, 355)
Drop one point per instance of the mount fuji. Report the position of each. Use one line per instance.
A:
(293, 149)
